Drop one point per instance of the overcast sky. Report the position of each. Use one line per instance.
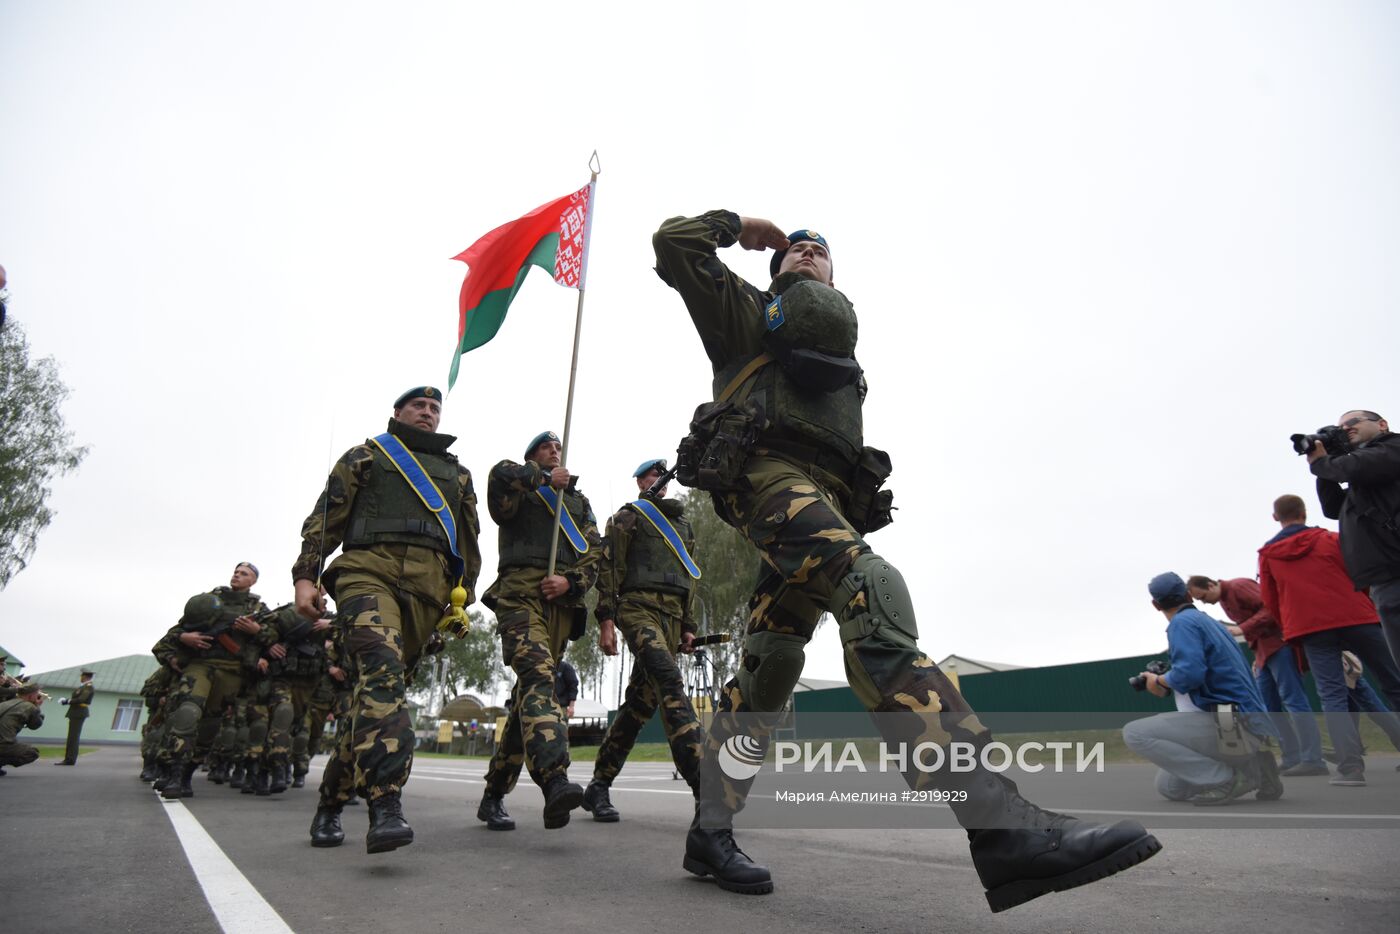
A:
(1106, 258)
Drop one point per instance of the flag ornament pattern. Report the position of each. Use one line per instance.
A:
(553, 237)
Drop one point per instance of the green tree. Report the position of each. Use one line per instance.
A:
(469, 664)
(35, 448)
(586, 657)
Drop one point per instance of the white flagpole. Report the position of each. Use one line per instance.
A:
(594, 167)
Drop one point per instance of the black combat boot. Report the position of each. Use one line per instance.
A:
(387, 828)
(250, 776)
(177, 780)
(262, 779)
(218, 772)
(299, 776)
(149, 769)
(325, 827)
(235, 778)
(277, 781)
(713, 852)
(560, 797)
(1022, 852)
(597, 802)
(163, 775)
(493, 812)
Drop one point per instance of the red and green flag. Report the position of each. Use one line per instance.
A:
(553, 236)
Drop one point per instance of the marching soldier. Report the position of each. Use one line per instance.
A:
(404, 511)
(781, 448)
(222, 638)
(537, 613)
(77, 704)
(296, 663)
(646, 587)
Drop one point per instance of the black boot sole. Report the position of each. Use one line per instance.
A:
(556, 812)
(610, 816)
(327, 843)
(1018, 893)
(743, 888)
(388, 841)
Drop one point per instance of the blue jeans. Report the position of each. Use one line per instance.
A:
(1386, 597)
(1364, 699)
(1324, 651)
(1282, 687)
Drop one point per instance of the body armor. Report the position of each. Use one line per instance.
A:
(388, 511)
(523, 542)
(651, 564)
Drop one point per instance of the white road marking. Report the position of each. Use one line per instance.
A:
(237, 906)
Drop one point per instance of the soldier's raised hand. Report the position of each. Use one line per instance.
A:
(755, 233)
(559, 477)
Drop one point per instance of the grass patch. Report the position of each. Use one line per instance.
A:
(56, 752)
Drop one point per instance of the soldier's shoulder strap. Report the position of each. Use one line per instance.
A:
(668, 531)
(413, 473)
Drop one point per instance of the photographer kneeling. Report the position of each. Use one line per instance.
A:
(1210, 750)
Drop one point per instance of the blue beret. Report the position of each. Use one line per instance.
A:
(418, 392)
(1166, 586)
(539, 439)
(797, 236)
(659, 463)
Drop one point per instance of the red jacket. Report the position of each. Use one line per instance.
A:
(1305, 584)
(1240, 599)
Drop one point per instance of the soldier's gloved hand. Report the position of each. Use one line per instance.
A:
(607, 636)
(309, 601)
(755, 233)
(559, 477)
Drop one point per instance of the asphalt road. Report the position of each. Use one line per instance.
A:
(92, 849)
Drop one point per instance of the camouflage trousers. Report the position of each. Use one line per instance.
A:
(656, 681)
(154, 730)
(534, 633)
(308, 731)
(386, 631)
(204, 687)
(285, 715)
(808, 548)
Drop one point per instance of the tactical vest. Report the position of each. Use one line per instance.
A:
(651, 564)
(233, 604)
(523, 542)
(388, 511)
(824, 428)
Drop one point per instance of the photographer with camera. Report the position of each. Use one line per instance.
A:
(1368, 509)
(1211, 749)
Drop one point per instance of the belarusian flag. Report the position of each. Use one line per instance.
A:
(553, 236)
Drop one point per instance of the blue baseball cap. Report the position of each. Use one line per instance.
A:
(1167, 586)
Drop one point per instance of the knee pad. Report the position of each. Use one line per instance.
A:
(873, 596)
(771, 666)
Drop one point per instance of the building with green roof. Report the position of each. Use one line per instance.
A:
(13, 666)
(117, 711)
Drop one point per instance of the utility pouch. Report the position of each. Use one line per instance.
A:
(871, 507)
(722, 436)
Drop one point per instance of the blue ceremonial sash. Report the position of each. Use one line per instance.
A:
(427, 491)
(668, 531)
(566, 521)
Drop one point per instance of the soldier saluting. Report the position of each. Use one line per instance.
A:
(782, 450)
(404, 511)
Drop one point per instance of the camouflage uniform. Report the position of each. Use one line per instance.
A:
(793, 497)
(534, 632)
(16, 714)
(210, 678)
(313, 725)
(645, 588)
(295, 678)
(390, 586)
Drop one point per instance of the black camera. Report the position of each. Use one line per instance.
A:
(1333, 437)
(1156, 667)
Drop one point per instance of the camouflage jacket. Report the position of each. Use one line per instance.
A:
(15, 715)
(419, 570)
(508, 483)
(174, 654)
(623, 527)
